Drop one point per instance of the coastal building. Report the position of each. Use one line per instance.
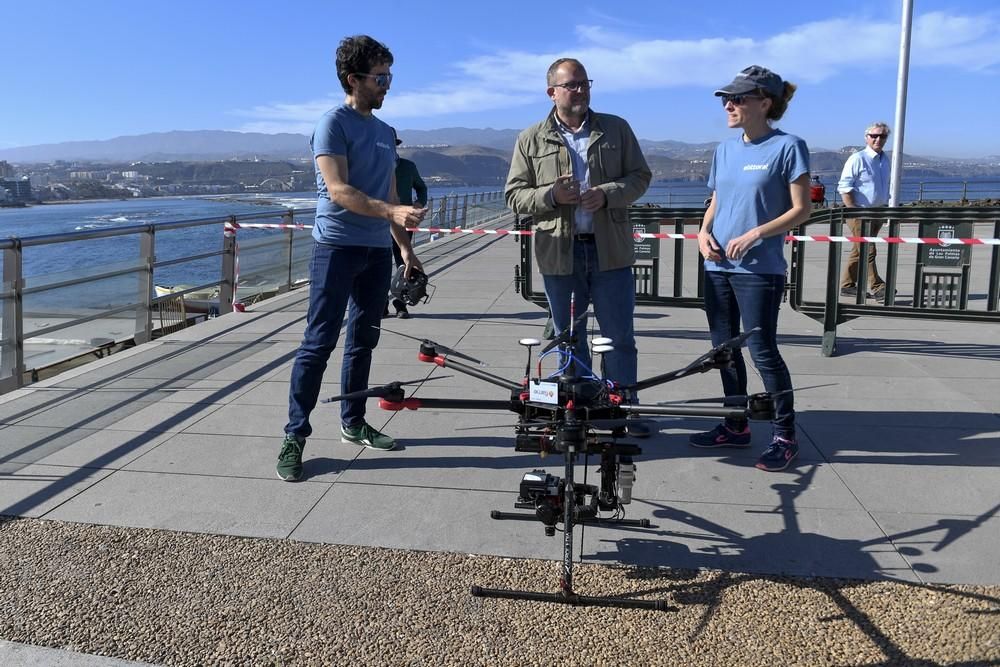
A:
(6, 171)
(17, 190)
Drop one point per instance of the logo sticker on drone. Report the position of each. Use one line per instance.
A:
(544, 392)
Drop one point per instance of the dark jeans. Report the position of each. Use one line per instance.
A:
(613, 296)
(342, 278)
(754, 299)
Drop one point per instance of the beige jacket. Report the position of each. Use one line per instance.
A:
(617, 167)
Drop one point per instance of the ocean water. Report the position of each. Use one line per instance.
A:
(49, 263)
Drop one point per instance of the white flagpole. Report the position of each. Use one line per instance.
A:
(898, 131)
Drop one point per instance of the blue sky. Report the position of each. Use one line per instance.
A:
(78, 70)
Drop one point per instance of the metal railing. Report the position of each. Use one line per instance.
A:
(693, 195)
(108, 295)
(955, 282)
(949, 281)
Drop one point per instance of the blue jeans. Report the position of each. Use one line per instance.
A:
(351, 278)
(613, 296)
(730, 297)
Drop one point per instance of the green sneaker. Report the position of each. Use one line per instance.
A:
(290, 459)
(365, 434)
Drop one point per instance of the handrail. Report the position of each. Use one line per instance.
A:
(455, 211)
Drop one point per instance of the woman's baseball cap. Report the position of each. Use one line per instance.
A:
(751, 79)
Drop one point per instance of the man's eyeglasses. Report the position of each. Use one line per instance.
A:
(739, 100)
(878, 136)
(577, 86)
(381, 80)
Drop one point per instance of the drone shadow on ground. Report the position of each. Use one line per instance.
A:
(823, 564)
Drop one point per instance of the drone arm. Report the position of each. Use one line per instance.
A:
(445, 404)
(430, 356)
(691, 411)
(701, 367)
(719, 356)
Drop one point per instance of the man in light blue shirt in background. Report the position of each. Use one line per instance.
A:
(864, 182)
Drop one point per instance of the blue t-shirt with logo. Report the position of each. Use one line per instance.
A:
(750, 181)
(370, 149)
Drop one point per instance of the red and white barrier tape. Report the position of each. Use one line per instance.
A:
(663, 235)
(264, 225)
(849, 239)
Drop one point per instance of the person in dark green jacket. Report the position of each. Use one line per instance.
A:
(407, 181)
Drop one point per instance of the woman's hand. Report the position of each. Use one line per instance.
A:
(737, 248)
(709, 247)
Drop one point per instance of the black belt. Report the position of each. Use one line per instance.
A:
(586, 238)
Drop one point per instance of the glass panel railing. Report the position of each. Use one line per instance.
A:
(66, 320)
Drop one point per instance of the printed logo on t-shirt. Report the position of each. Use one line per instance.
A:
(755, 167)
(382, 144)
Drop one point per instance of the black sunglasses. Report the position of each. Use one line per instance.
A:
(878, 136)
(739, 100)
(381, 80)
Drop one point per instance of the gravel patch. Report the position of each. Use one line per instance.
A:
(190, 599)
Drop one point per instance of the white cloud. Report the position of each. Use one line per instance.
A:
(811, 52)
(435, 103)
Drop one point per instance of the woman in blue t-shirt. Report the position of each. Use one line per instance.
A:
(760, 190)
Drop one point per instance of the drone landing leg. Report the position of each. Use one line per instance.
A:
(597, 521)
(571, 598)
(566, 594)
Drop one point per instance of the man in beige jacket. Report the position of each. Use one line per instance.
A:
(575, 173)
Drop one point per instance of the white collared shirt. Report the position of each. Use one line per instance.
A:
(578, 144)
(866, 174)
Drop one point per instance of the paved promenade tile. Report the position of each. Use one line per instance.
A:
(899, 432)
(164, 456)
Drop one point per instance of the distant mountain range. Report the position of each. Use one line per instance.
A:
(454, 155)
(162, 146)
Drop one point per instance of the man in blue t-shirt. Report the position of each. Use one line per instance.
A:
(357, 216)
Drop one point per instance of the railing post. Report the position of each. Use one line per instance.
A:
(993, 290)
(891, 263)
(227, 288)
(12, 338)
(465, 211)
(965, 190)
(144, 315)
(831, 314)
(289, 219)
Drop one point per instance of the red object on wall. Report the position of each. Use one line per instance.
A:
(817, 191)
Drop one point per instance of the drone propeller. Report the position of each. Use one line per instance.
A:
(564, 336)
(437, 346)
(707, 361)
(740, 400)
(381, 391)
(733, 343)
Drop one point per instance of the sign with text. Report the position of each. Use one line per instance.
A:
(956, 255)
(646, 248)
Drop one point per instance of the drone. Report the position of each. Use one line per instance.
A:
(572, 412)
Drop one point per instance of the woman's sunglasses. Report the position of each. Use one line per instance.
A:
(739, 100)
